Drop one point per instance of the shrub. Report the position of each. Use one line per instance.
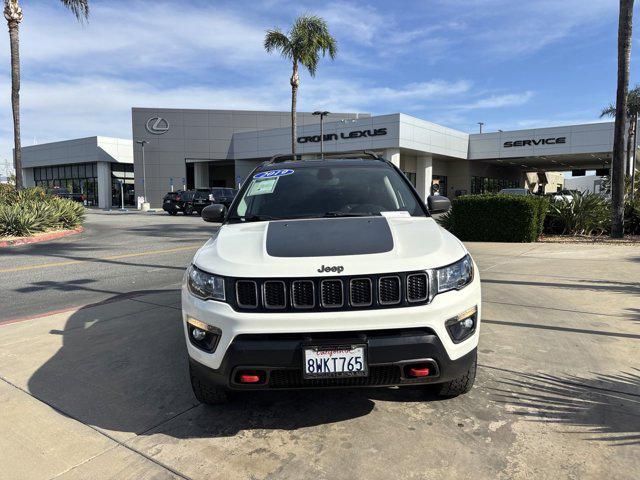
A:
(584, 214)
(445, 220)
(632, 217)
(25, 212)
(68, 214)
(18, 221)
(497, 218)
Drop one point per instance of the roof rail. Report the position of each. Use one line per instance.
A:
(288, 157)
(281, 158)
(360, 154)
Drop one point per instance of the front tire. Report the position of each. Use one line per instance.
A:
(460, 385)
(205, 392)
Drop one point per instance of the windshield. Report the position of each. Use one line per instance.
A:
(325, 191)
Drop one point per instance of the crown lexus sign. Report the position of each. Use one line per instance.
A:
(157, 125)
(345, 136)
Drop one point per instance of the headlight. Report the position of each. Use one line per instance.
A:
(204, 285)
(456, 275)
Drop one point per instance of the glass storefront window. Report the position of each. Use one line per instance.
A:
(481, 185)
(122, 183)
(77, 178)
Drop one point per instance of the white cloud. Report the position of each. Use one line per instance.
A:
(499, 101)
(138, 35)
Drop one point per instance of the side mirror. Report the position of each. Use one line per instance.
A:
(214, 213)
(438, 204)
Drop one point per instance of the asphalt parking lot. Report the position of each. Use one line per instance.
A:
(93, 380)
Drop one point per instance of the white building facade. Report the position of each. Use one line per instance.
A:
(100, 168)
(206, 148)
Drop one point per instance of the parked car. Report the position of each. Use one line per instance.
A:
(315, 279)
(562, 195)
(65, 193)
(182, 201)
(515, 191)
(219, 195)
(172, 202)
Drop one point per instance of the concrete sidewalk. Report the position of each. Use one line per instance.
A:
(102, 392)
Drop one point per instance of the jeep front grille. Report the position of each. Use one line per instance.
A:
(303, 294)
(247, 294)
(331, 293)
(389, 290)
(417, 287)
(358, 292)
(275, 294)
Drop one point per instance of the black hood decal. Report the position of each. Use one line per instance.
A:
(326, 237)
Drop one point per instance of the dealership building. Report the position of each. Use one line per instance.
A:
(100, 168)
(211, 148)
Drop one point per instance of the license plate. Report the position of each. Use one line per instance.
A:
(335, 361)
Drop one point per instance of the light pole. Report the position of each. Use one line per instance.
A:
(144, 173)
(481, 124)
(322, 115)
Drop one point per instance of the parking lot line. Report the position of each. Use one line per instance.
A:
(111, 257)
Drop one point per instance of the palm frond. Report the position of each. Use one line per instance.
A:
(310, 36)
(276, 40)
(80, 8)
(609, 111)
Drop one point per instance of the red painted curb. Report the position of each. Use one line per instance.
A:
(40, 238)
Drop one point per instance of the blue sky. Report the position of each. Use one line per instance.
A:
(511, 64)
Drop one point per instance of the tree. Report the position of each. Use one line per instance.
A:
(308, 37)
(13, 15)
(633, 111)
(617, 175)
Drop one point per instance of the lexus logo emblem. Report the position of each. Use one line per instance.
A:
(157, 125)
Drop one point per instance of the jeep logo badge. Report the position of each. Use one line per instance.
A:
(327, 269)
(157, 125)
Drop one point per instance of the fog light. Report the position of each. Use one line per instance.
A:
(198, 334)
(203, 335)
(463, 325)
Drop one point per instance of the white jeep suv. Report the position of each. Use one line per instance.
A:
(330, 273)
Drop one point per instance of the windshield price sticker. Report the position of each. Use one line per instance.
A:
(262, 186)
(274, 173)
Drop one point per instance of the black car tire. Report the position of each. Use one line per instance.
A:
(205, 392)
(172, 212)
(459, 385)
(188, 210)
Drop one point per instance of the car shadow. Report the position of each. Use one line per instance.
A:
(123, 367)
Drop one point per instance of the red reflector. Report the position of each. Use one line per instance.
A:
(419, 372)
(249, 378)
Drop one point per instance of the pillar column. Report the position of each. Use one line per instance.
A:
(424, 176)
(104, 184)
(393, 155)
(201, 175)
(27, 177)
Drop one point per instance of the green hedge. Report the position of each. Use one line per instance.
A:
(498, 218)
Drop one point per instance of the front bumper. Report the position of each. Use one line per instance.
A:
(390, 355)
(273, 341)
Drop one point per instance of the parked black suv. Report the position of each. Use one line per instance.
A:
(186, 201)
(220, 195)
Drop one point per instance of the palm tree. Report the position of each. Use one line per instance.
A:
(308, 36)
(633, 111)
(13, 14)
(617, 176)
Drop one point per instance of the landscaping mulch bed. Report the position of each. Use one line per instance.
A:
(601, 240)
